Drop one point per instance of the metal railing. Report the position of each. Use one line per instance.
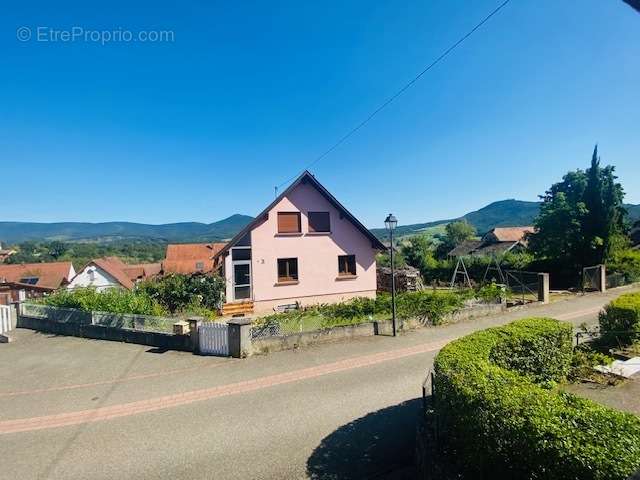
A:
(146, 323)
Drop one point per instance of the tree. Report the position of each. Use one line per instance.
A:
(581, 219)
(418, 252)
(57, 249)
(455, 233)
(459, 231)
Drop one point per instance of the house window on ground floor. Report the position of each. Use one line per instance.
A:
(287, 270)
(346, 265)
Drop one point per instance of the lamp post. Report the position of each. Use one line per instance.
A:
(390, 224)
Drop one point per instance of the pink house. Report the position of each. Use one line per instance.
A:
(305, 248)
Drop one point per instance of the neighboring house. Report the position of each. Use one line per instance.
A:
(189, 258)
(305, 248)
(111, 272)
(5, 253)
(497, 241)
(28, 280)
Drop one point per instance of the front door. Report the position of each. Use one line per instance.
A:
(242, 280)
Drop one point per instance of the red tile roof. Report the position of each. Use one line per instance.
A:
(50, 275)
(187, 257)
(511, 234)
(124, 273)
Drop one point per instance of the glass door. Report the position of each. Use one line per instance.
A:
(241, 280)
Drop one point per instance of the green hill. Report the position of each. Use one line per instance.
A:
(15, 232)
(503, 213)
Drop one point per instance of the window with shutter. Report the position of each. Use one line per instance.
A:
(289, 222)
(347, 265)
(319, 222)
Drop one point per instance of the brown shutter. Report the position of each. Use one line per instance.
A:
(289, 222)
(319, 222)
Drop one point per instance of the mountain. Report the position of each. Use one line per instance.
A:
(15, 232)
(503, 213)
(497, 214)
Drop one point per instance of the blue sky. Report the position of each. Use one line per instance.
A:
(250, 92)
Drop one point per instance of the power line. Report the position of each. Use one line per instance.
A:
(398, 93)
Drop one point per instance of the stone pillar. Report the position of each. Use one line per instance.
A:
(602, 278)
(543, 287)
(194, 323)
(239, 331)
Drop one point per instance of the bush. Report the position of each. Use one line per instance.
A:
(626, 262)
(427, 306)
(177, 292)
(620, 319)
(113, 300)
(500, 417)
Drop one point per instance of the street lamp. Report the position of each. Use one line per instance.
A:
(390, 224)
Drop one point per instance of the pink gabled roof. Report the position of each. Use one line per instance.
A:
(306, 177)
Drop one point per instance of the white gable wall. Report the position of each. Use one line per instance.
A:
(94, 276)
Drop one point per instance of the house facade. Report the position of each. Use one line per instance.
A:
(29, 280)
(111, 272)
(305, 248)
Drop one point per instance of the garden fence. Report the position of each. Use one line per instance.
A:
(523, 285)
(5, 319)
(145, 323)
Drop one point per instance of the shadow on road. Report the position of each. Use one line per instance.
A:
(378, 445)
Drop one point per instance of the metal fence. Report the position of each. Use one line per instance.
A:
(618, 279)
(291, 324)
(523, 285)
(56, 314)
(146, 323)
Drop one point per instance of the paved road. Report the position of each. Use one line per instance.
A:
(77, 408)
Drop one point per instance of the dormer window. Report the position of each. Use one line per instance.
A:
(29, 280)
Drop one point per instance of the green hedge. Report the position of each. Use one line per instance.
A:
(622, 315)
(501, 416)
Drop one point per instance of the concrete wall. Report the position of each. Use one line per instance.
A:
(275, 344)
(317, 254)
(289, 342)
(155, 339)
(101, 280)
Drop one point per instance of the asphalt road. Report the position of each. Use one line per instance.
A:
(75, 408)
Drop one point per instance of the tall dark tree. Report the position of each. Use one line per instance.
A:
(581, 219)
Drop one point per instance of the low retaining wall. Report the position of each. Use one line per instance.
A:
(296, 340)
(155, 339)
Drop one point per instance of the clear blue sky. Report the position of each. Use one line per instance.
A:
(249, 92)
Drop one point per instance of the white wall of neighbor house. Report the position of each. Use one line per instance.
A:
(93, 276)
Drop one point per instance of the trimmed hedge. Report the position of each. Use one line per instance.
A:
(500, 415)
(622, 315)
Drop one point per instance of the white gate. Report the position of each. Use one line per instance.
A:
(213, 339)
(5, 319)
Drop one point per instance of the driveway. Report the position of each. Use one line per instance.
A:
(77, 408)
